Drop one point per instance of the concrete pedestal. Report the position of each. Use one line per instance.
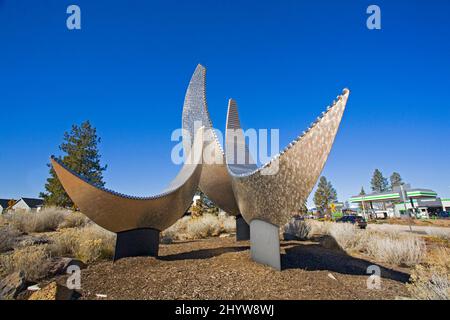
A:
(265, 243)
(138, 242)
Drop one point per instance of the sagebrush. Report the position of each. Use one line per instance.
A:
(203, 226)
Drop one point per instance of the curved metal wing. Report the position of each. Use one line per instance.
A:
(274, 192)
(117, 212)
(215, 181)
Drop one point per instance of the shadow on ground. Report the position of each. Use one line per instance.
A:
(203, 253)
(314, 257)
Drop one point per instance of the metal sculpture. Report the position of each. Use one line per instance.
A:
(269, 200)
(267, 197)
(215, 181)
(136, 220)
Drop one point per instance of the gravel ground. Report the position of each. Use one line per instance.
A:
(220, 268)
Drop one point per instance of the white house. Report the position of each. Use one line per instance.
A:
(28, 204)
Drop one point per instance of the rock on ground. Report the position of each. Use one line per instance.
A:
(60, 265)
(12, 285)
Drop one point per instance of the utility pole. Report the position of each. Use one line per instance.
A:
(404, 198)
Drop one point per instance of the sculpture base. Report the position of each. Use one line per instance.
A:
(137, 242)
(242, 229)
(265, 243)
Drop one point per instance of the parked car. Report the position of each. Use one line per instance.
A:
(443, 215)
(358, 220)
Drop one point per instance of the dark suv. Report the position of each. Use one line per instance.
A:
(360, 221)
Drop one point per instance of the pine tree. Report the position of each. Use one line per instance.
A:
(396, 180)
(203, 205)
(81, 156)
(325, 195)
(303, 210)
(378, 182)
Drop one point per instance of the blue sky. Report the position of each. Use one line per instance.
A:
(127, 70)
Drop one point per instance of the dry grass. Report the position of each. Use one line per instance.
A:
(431, 279)
(204, 226)
(398, 249)
(3, 220)
(301, 229)
(384, 246)
(33, 261)
(74, 220)
(48, 219)
(7, 237)
(89, 244)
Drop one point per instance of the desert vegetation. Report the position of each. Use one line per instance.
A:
(31, 242)
(199, 227)
(390, 247)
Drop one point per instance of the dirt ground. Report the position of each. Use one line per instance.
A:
(418, 222)
(220, 268)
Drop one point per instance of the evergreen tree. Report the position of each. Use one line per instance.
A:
(303, 210)
(325, 195)
(203, 205)
(396, 180)
(81, 156)
(378, 182)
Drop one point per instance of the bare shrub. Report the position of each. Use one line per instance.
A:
(199, 227)
(227, 223)
(345, 234)
(74, 220)
(431, 280)
(320, 227)
(3, 220)
(301, 229)
(399, 249)
(33, 261)
(47, 219)
(384, 246)
(8, 234)
(204, 226)
(89, 244)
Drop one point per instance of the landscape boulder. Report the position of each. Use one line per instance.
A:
(12, 285)
(60, 265)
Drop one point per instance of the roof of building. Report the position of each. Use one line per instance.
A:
(32, 203)
(394, 195)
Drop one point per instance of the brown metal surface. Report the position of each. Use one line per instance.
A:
(275, 198)
(215, 180)
(117, 212)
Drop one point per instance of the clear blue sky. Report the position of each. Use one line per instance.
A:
(283, 61)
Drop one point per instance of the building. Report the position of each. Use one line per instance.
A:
(422, 203)
(28, 204)
(424, 208)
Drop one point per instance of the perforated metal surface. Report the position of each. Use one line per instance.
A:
(275, 198)
(117, 212)
(215, 181)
